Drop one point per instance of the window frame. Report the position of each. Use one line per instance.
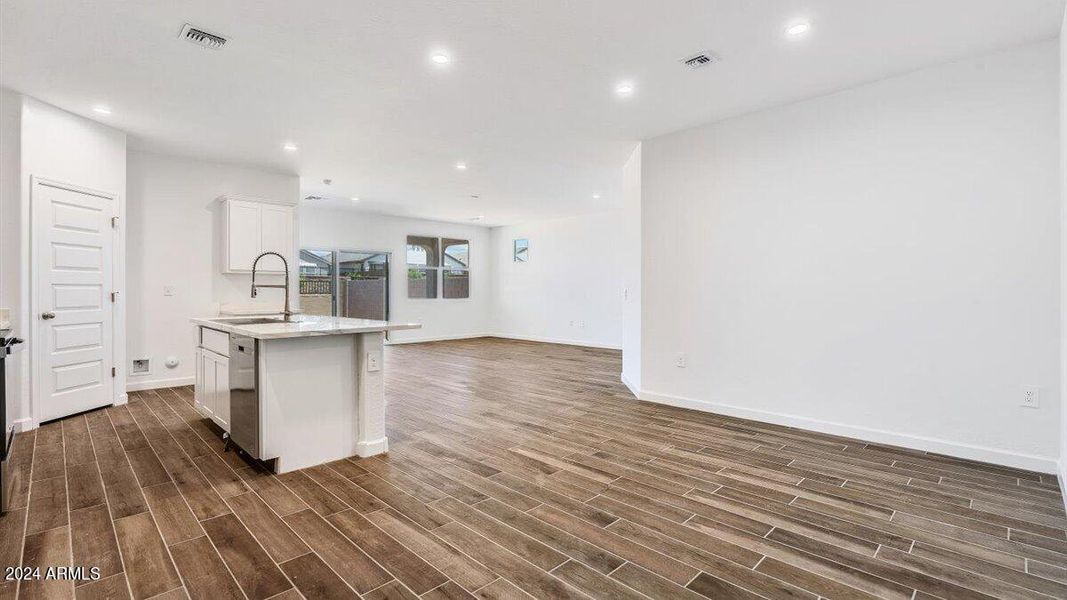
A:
(438, 269)
(335, 267)
(466, 269)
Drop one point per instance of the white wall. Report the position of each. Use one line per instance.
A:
(882, 262)
(1063, 254)
(61, 146)
(630, 249)
(571, 289)
(441, 319)
(11, 241)
(174, 228)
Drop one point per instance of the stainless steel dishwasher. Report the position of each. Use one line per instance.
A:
(244, 395)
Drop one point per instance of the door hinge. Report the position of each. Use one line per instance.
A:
(114, 295)
(114, 222)
(112, 371)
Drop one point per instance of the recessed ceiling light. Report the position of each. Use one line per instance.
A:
(440, 58)
(624, 89)
(289, 147)
(596, 196)
(104, 110)
(355, 198)
(798, 29)
(461, 166)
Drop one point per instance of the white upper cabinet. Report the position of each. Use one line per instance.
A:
(251, 228)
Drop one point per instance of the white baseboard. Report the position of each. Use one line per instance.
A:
(549, 340)
(373, 448)
(1061, 473)
(633, 389)
(1042, 464)
(504, 336)
(21, 425)
(440, 338)
(135, 385)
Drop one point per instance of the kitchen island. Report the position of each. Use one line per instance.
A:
(296, 393)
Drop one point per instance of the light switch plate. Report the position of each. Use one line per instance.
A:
(374, 362)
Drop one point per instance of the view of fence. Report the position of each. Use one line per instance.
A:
(316, 285)
(363, 298)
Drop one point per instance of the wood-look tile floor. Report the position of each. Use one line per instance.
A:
(519, 468)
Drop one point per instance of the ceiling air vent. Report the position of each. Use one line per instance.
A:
(702, 59)
(314, 198)
(201, 38)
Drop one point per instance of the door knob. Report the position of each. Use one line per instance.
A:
(48, 315)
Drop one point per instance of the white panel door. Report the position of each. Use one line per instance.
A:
(73, 261)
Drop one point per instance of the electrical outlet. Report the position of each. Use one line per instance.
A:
(625, 294)
(572, 323)
(374, 362)
(679, 361)
(581, 324)
(1031, 396)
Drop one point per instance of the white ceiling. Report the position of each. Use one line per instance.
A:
(528, 101)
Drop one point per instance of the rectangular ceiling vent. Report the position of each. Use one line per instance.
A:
(201, 38)
(702, 59)
(314, 198)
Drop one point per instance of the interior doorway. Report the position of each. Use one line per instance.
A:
(345, 283)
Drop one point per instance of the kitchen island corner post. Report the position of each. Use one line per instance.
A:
(370, 381)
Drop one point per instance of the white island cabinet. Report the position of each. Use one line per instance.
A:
(298, 393)
(211, 396)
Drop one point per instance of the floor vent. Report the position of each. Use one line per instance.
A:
(201, 38)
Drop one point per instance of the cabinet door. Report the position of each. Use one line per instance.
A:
(198, 385)
(221, 415)
(242, 235)
(207, 396)
(276, 227)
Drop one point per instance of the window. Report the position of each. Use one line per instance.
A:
(344, 283)
(428, 256)
(455, 272)
(422, 266)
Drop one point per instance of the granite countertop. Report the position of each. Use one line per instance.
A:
(300, 326)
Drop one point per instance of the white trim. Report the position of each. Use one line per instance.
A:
(259, 199)
(633, 390)
(1061, 473)
(118, 284)
(503, 336)
(440, 338)
(365, 449)
(26, 424)
(548, 340)
(154, 384)
(1042, 464)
